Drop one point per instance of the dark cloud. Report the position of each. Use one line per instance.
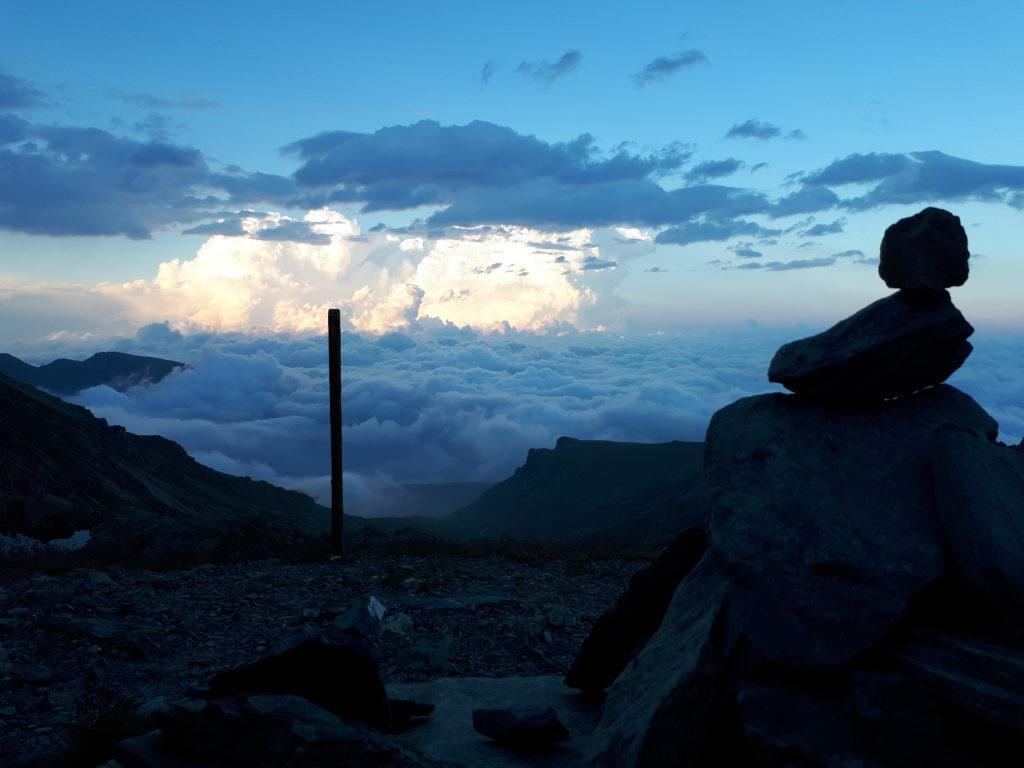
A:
(818, 230)
(758, 167)
(61, 181)
(16, 93)
(189, 101)
(853, 253)
(294, 232)
(784, 266)
(713, 169)
(754, 129)
(487, 72)
(745, 251)
(920, 177)
(759, 129)
(596, 263)
(547, 72)
(656, 269)
(663, 66)
(810, 198)
(709, 231)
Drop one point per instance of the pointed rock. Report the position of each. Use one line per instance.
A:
(895, 346)
(622, 632)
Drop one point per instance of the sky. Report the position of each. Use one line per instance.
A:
(673, 174)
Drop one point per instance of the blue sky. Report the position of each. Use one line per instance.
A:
(801, 86)
(593, 219)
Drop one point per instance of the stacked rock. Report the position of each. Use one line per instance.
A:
(853, 595)
(897, 345)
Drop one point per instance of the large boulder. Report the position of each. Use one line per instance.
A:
(979, 492)
(824, 516)
(622, 632)
(893, 346)
(674, 704)
(926, 251)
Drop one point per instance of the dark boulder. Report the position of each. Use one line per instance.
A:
(824, 518)
(979, 492)
(520, 730)
(263, 732)
(926, 251)
(621, 632)
(674, 704)
(340, 675)
(893, 346)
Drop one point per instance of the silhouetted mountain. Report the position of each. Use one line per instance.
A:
(140, 497)
(117, 370)
(592, 489)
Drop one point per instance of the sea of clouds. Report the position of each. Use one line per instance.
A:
(443, 404)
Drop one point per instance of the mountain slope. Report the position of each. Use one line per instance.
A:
(117, 370)
(592, 489)
(65, 470)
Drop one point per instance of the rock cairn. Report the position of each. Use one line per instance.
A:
(854, 594)
(897, 345)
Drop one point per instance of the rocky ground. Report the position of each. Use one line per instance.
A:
(86, 650)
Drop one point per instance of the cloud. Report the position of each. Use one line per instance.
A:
(16, 93)
(917, 177)
(663, 66)
(759, 129)
(190, 101)
(708, 231)
(785, 266)
(447, 404)
(821, 229)
(745, 251)
(713, 169)
(656, 269)
(62, 181)
(487, 72)
(853, 253)
(547, 72)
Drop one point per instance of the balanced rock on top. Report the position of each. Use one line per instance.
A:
(899, 344)
(926, 251)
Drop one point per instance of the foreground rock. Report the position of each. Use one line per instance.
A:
(979, 490)
(341, 676)
(894, 346)
(824, 516)
(263, 731)
(622, 632)
(926, 251)
(665, 709)
(521, 730)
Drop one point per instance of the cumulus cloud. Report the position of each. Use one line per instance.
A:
(713, 169)
(546, 72)
(663, 66)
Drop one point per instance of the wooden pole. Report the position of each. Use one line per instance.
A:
(337, 482)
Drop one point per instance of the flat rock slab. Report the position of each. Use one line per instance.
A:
(449, 735)
(894, 346)
(824, 516)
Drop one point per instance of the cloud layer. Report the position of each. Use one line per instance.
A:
(449, 404)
